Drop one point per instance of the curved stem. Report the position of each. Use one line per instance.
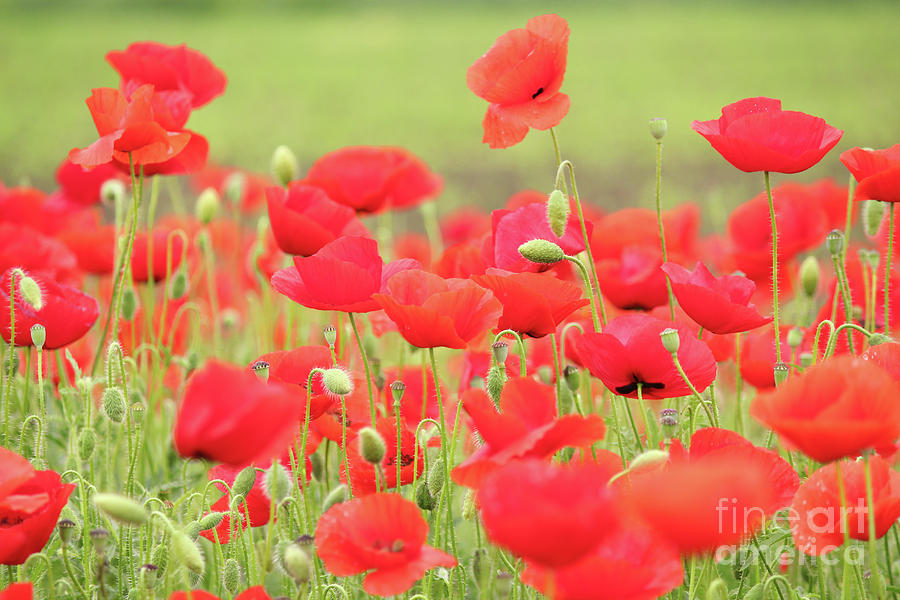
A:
(521, 345)
(590, 291)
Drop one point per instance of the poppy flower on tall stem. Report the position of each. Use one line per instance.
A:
(755, 134)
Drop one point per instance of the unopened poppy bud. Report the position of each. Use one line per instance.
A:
(261, 369)
(337, 382)
(397, 390)
(277, 482)
(781, 372)
(192, 529)
(186, 552)
(500, 350)
(231, 576)
(38, 336)
(114, 404)
(668, 422)
(149, 576)
(573, 377)
(284, 165)
(87, 441)
(66, 529)
(335, 496)
(129, 304)
(469, 509)
(835, 242)
(330, 333)
(318, 466)
(207, 207)
(99, 540)
(371, 446)
(296, 563)
(306, 543)
(872, 215)
(658, 128)
(370, 344)
(670, 340)
(495, 380)
(795, 337)
(424, 499)
(503, 584)
(436, 478)
(178, 285)
(542, 251)
(717, 590)
(809, 276)
(234, 186)
(211, 521)
(878, 338)
(557, 212)
(649, 459)
(112, 191)
(30, 291)
(159, 556)
(120, 508)
(243, 482)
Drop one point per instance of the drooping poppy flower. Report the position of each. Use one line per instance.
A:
(30, 503)
(633, 280)
(82, 186)
(816, 516)
(837, 408)
(551, 515)
(17, 591)
(342, 275)
(520, 76)
(632, 563)
(182, 73)
(382, 535)
(527, 426)
(719, 304)
(876, 171)
(253, 593)
(292, 367)
(513, 228)
(533, 304)
(434, 312)
(371, 179)
(755, 134)
(65, 312)
(363, 474)
(629, 353)
(228, 415)
(304, 218)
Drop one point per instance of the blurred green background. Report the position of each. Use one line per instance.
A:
(321, 75)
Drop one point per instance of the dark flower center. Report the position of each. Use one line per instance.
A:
(633, 386)
(405, 460)
(537, 93)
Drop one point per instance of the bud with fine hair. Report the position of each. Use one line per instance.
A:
(87, 441)
(159, 556)
(436, 478)
(649, 459)
(277, 482)
(424, 499)
(112, 191)
(207, 206)
(297, 563)
(371, 446)
(809, 276)
(318, 466)
(186, 552)
(877, 339)
(335, 496)
(835, 242)
(38, 336)
(231, 576)
(658, 128)
(211, 521)
(557, 212)
(337, 381)
(178, 285)
(496, 379)
(30, 290)
(542, 251)
(149, 576)
(872, 215)
(243, 482)
(670, 340)
(284, 165)
(192, 529)
(120, 508)
(114, 404)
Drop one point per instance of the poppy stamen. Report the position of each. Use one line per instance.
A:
(537, 93)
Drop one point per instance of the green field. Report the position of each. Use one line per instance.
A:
(322, 75)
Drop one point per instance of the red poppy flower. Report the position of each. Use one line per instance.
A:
(143, 267)
(304, 218)
(17, 591)
(382, 535)
(30, 503)
(256, 504)
(638, 227)
(887, 356)
(533, 304)
(629, 352)
(877, 171)
(431, 311)
(633, 280)
(758, 356)
(36, 253)
(228, 415)
(414, 246)
(719, 304)
(363, 473)
(173, 69)
(548, 514)
(838, 408)
(512, 228)
(461, 260)
(754, 134)
(356, 416)
(464, 224)
(816, 514)
(520, 76)
(342, 275)
(48, 214)
(254, 593)
(526, 427)
(252, 189)
(82, 186)
(292, 367)
(372, 179)
(66, 313)
(632, 563)
(477, 364)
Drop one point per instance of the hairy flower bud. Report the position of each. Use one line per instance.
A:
(297, 563)
(178, 285)
(243, 482)
(87, 441)
(129, 304)
(277, 482)
(318, 466)
(371, 446)
(557, 212)
(872, 215)
(234, 186)
(337, 381)
(495, 380)
(149, 576)
(795, 337)
(436, 478)
(159, 556)
(231, 576)
(186, 552)
(424, 499)
(211, 521)
(114, 404)
(542, 251)
(335, 496)
(112, 191)
(284, 165)
(121, 508)
(30, 291)
(809, 276)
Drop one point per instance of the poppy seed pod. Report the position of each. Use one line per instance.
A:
(207, 206)
(658, 127)
(573, 377)
(38, 335)
(781, 373)
(557, 212)
(337, 381)
(371, 446)
(809, 276)
(670, 340)
(261, 369)
(284, 165)
(149, 576)
(99, 540)
(330, 333)
(872, 214)
(120, 508)
(835, 242)
(668, 422)
(500, 350)
(542, 251)
(397, 390)
(66, 529)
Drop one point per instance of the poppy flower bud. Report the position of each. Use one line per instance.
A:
(159, 556)
(500, 350)
(66, 529)
(99, 540)
(337, 382)
(120, 508)
(542, 251)
(231, 576)
(318, 466)
(424, 499)
(557, 212)
(261, 369)
(296, 563)
(717, 590)
(371, 446)
(469, 509)
(330, 333)
(335, 496)
(573, 377)
(566, 400)
(495, 380)
(878, 338)
(87, 441)
(284, 165)
(781, 373)
(503, 584)
(872, 214)
(192, 529)
(112, 191)
(658, 127)
(149, 576)
(235, 505)
(397, 390)
(668, 422)
(795, 337)
(436, 478)
(649, 459)
(243, 482)
(30, 290)
(129, 304)
(835, 242)
(187, 553)
(234, 186)
(807, 358)
(207, 206)
(211, 521)
(114, 404)
(809, 276)
(277, 482)
(38, 336)
(178, 285)
(670, 340)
